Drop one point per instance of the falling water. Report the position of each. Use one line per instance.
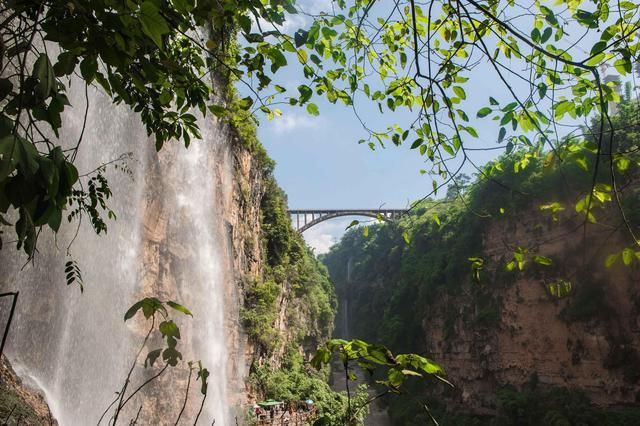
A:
(165, 242)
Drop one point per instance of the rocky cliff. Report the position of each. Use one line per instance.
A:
(20, 402)
(233, 194)
(247, 202)
(514, 301)
(265, 248)
(588, 339)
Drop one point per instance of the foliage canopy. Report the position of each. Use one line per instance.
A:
(156, 56)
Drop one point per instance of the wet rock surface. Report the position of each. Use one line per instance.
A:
(21, 403)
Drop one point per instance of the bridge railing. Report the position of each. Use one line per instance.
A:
(300, 217)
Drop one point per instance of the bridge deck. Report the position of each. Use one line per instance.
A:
(302, 223)
(310, 211)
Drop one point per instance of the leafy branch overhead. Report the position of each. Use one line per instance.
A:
(371, 357)
(169, 330)
(154, 309)
(425, 59)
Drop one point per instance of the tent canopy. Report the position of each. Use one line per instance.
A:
(269, 403)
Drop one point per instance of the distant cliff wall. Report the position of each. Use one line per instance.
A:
(491, 328)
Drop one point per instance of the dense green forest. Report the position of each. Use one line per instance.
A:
(434, 264)
(292, 272)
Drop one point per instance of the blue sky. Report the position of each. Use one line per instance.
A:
(321, 165)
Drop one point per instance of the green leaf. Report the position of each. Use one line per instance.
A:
(417, 143)
(152, 357)
(300, 37)
(55, 219)
(313, 109)
(623, 65)
(509, 147)
(66, 64)
(321, 358)
(459, 91)
(542, 90)
(203, 374)
(169, 329)
(563, 107)
(244, 103)
(352, 224)
(582, 163)
(627, 256)
(471, 131)
(405, 235)
(501, 134)
(302, 56)
(89, 68)
(597, 59)
(483, 112)
(305, 93)
(133, 310)
(622, 163)
(171, 356)
(535, 35)
(149, 306)
(549, 16)
(510, 107)
(153, 24)
(178, 307)
(506, 119)
(43, 71)
(27, 156)
(542, 260)
(5, 87)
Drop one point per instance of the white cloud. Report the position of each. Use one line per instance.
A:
(289, 122)
(325, 234)
(290, 25)
(296, 21)
(315, 6)
(320, 242)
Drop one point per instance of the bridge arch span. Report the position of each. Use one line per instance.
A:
(302, 223)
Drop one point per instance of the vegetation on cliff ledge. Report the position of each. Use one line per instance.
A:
(292, 277)
(434, 264)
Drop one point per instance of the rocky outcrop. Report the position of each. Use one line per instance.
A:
(21, 403)
(244, 221)
(588, 340)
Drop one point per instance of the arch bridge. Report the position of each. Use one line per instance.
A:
(305, 219)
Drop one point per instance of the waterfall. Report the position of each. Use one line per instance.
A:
(166, 242)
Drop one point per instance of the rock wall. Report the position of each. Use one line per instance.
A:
(538, 336)
(244, 218)
(20, 402)
(235, 173)
(507, 329)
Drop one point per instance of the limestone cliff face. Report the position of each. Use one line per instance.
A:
(229, 180)
(20, 402)
(538, 336)
(244, 217)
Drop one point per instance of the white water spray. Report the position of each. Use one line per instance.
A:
(77, 347)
